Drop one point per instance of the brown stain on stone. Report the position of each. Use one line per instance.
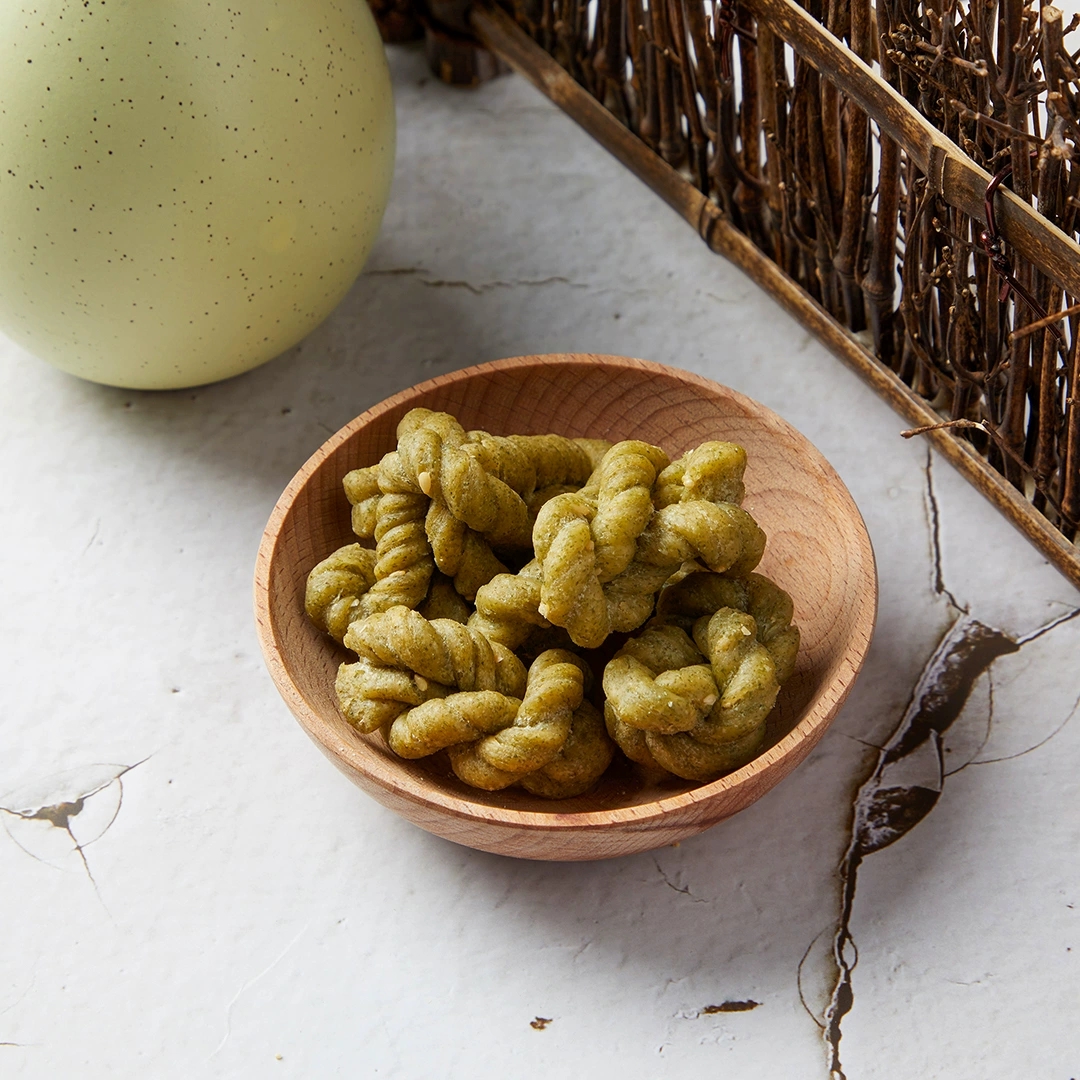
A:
(729, 1007)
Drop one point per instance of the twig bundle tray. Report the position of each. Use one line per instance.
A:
(902, 178)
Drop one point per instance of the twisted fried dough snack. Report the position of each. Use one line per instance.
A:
(442, 722)
(405, 660)
(588, 538)
(404, 563)
(460, 552)
(585, 755)
(712, 471)
(430, 450)
(534, 466)
(623, 486)
(677, 538)
(637, 691)
(362, 490)
(722, 535)
(508, 606)
(616, 504)
(570, 591)
(539, 730)
(528, 463)
(735, 728)
(334, 588)
(703, 593)
(695, 721)
(708, 525)
(440, 650)
(372, 695)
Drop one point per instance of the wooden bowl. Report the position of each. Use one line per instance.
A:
(818, 550)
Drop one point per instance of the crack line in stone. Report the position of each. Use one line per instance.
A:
(863, 742)
(989, 725)
(746, 1005)
(935, 533)
(488, 286)
(798, 981)
(59, 815)
(396, 271)
(1041, 742)
(1021, 641)
(8, 1008)
(685, 890)
(885, 812)
(1038, 633)
(82, 857)
(881, 813)
(90, 542)
(248, 985)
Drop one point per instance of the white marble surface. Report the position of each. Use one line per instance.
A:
(207, 897)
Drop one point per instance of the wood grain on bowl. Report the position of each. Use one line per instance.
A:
(818, 550)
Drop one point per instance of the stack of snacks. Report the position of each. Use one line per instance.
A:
(609, 539)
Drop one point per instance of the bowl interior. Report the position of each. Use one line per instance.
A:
(817, 548)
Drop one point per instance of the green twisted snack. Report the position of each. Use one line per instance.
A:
(712, 471)
(636, 689)
(372, 695)
(565, 590)
(570, 592)
(703, 593)
(588, 538)
(722, 535)
(735, 727)
(439, 650)
(442, 722)
(686, 528)
(362, 490)
(528, 463)
(585, 755)
(443, 601)
(539, 731)
(694, 720)
(744, 671)
(623, 484)
(460, 552)
(605, 579)
(430, 450)
(508, 606)
(405, 660)
(404, 563)
(335, 586)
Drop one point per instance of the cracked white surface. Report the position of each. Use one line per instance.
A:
(255, 915)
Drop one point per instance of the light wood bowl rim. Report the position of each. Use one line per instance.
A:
(357, 763)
